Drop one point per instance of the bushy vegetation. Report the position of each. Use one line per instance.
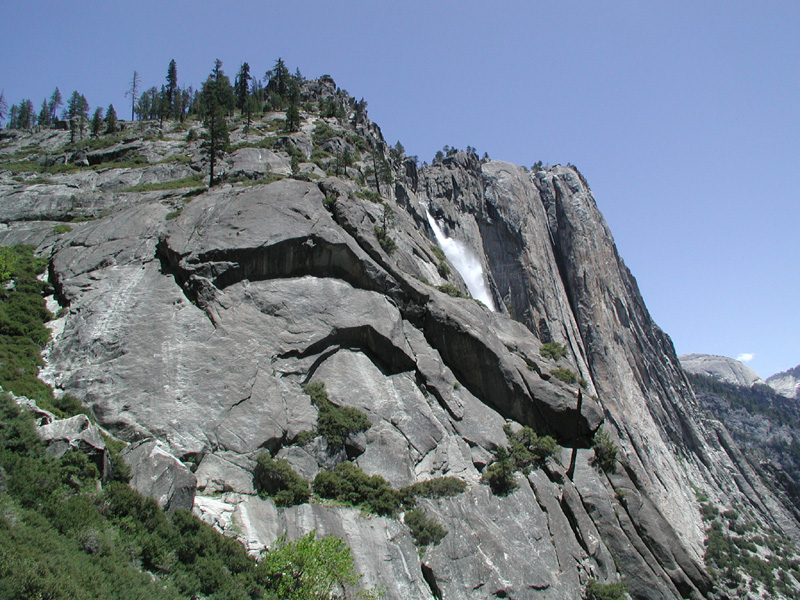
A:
(499, 475)
(605, 451)
(606, 591)
(553, 350)
(348, 484)
(526, 451)
(335, 423)
(565, 375)
(23, 334)
(311, 569)
(450, 290)
(425, 530)
(278, 480)
(438, 487)
(738, 558)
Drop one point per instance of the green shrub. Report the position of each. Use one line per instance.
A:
(606, 591)
(450, 290)
(23, 334)
(425, 530)
(349, 484)
(605, 451)
(335, 423)
(565, 375)
(309, 569)
(278, 480)
(370, 195)
(528, 449)
(385, 240)
(499, 475)
(553, 350)
(438, 487)
(708, 511)
(63, 228)
(305, 437)
(322, 133)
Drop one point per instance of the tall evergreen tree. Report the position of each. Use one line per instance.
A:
(214, 97)
(172, 87)
(78, 114)
(26, 116)
(292, 118)
(242, 86)
(133, 92)
(251, 107)
(97, 122)
(278, 78)
(111, 119)
(56, 102)
(44, 114)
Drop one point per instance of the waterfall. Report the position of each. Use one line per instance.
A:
(465, 262)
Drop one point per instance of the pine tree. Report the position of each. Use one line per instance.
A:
(214, 97)
(292, 118)
(251, 107)
(56, 102)
(172, 87)
(97, 122)
(241, 86)
(111, 119)
(278, 78)
(25, 116)
(78, 114)
(3, 107)
(44, 114)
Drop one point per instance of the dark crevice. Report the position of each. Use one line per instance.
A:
(430, 579)
(389, 359)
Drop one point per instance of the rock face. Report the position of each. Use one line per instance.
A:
(786, 383)
(158, 474)
(76, 433)
(722, 368)
(193, 319)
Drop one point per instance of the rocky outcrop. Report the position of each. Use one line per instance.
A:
(722, 368)
(158, 474)
(786, 383)
(76, 433)
(194, 319)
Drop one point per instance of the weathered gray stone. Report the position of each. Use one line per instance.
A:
(786, 383)
(76, 433)
(158, 474)
(723, 368)
(382, 548)
(199, 331)
(225, 472)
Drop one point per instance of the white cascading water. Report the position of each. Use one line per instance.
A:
(465, 262)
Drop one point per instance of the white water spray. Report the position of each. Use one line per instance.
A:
(465, 262)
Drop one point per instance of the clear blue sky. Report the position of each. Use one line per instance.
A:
(684, 116)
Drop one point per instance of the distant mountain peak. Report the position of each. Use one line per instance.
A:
(722, 368)
(786, 383)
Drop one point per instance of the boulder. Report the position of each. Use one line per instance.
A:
(158, 474)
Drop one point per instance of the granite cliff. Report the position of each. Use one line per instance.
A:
(193, 317)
